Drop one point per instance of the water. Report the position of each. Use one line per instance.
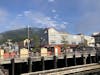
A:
(91, 72)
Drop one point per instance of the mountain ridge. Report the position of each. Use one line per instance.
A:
(20, 34)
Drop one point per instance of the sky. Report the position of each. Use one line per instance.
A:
(73, 16)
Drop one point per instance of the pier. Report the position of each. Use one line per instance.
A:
(40, 64)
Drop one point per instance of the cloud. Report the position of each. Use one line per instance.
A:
(19, 15)
(17, 22)
(54, 11)
(27, 13)
(44, 21)
(56, 16)
(35, 19)
(17, 26)
(51, 0)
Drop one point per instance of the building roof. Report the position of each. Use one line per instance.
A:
(56, 30)
(96, 34)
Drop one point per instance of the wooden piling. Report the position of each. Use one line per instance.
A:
(43, 63)
(74, 57)
(55, 62)
(13, 66)
(30, 64)
(65, 60)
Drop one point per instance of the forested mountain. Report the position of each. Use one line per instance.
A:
(21, 34)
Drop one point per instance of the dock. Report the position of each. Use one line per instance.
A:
(72, 62)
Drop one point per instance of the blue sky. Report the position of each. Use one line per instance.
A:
(73, 16)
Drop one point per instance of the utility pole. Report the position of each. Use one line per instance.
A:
(28, 34)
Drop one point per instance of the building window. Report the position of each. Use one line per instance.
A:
(52, 41)
(73, 43)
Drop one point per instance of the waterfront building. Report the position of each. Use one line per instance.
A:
(53, 37)
(96, 35)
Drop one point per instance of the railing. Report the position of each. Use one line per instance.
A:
(37, 54)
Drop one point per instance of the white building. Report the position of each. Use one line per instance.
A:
(90, 40)
(53, 37)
